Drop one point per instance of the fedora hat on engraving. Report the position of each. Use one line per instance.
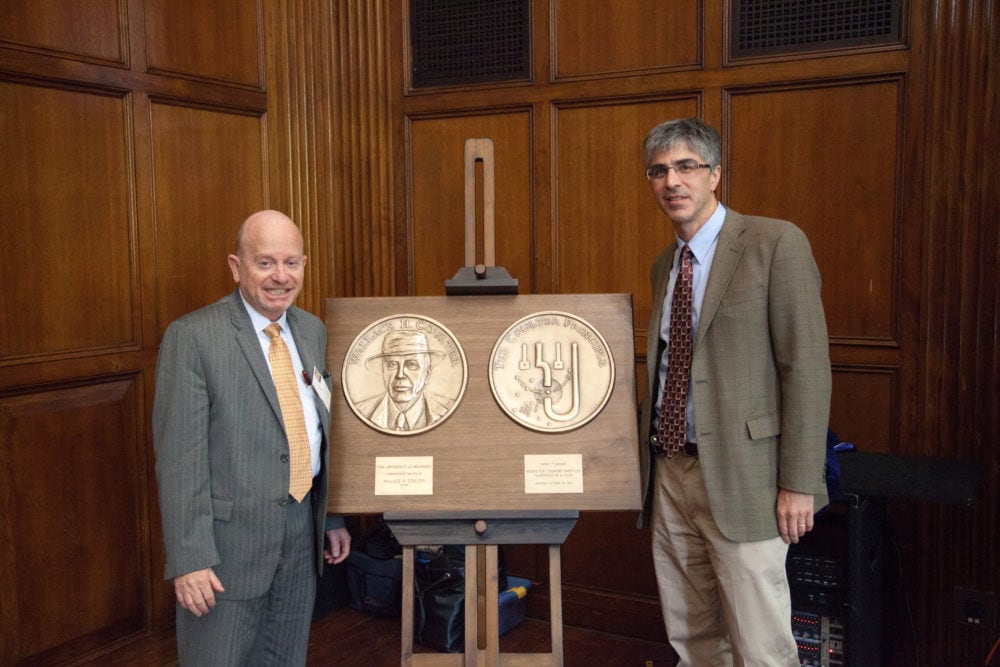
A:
(401, 343)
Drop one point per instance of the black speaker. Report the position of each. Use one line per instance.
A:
(835, 571)
(835, 577)
(910, 477)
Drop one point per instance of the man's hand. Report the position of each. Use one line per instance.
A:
(338, 545)
(196, 590)
(795, 515)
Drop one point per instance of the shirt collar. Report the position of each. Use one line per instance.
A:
(259, 321)
(703, 239)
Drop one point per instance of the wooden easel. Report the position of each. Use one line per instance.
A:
(481, 537)
(480, 278)
(482, 532)
(459, 505)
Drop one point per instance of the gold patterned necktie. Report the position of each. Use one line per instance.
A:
(672, 425)
(283, 373)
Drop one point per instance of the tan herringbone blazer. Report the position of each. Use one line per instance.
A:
(760, 374)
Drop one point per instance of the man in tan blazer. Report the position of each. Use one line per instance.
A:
(748, 473)
(243, 554)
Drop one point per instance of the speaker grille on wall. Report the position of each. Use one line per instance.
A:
(774, 27)
(456, 42)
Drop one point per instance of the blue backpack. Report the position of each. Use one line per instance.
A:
(834, 445)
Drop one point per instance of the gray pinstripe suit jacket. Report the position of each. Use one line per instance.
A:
(221, 450)
(760, 374)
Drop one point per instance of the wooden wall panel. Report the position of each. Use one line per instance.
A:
(827, 156)
(608, 228)
(208, 176)
(221, 40)
(135, 138)
(863, 406)
(64, 178)
(954, 181)
(90, 29)
(620, 580)
(597, 567)
(73, 502)
(436, 230)
(330, 149)
(602, 38)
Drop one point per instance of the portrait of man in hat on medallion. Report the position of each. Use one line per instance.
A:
(405, 364)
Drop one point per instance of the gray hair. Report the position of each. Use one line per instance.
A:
(701, 138)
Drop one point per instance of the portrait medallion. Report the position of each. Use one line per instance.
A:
(405, 374)
(551, 371)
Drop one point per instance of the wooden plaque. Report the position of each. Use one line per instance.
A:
(523, 411)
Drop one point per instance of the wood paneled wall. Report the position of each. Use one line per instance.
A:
(879, 154)
(133, 144)
(137, 134)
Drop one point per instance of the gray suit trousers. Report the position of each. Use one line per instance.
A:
(272, 629)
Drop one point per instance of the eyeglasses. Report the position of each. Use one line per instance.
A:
(683, 168)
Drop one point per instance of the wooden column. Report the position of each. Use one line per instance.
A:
(329, 139)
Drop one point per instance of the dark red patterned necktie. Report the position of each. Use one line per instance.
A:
(672, 426)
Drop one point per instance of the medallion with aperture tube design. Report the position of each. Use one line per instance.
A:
(551, 372)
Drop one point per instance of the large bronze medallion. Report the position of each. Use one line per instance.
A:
(551, 371)
(405, 374)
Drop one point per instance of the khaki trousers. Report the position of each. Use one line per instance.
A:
(724, 603)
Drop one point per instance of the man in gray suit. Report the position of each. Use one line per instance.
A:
(243, 554)
(745, 474)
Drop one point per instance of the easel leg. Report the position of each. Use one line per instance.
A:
(492, 605)
(482, 605)
(471, 605)
(406, 652)
(555, 608)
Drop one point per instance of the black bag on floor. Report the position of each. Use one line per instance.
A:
(439, 601)
(375, 573)
(439, 597)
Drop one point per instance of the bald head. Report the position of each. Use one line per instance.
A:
(269, 263)
(265, 222)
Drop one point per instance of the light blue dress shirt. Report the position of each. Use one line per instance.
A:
(703, 246)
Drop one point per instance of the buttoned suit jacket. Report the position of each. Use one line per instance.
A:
(760, 375)
(221, 451)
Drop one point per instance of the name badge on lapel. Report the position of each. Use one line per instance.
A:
(319, 385)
